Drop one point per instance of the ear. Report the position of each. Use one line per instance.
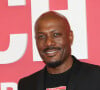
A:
(71, 37)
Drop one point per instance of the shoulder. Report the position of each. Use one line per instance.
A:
(31, 78)
(87, 76)
(86, 68)
(90, 67)
(89, 71)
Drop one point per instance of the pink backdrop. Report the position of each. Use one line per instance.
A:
(17, 20)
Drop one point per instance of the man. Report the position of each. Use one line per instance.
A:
(62, 71)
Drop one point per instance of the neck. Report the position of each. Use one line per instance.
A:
(61, 68)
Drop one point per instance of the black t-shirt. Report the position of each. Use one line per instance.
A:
(57, 80)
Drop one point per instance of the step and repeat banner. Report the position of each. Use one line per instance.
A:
(18, 53)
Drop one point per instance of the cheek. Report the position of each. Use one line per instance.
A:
(40, 45)
(61, 42)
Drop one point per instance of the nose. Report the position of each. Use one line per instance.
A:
(50, 41)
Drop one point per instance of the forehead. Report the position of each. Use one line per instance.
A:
(47, 26)
(51, 20)
(50, 24)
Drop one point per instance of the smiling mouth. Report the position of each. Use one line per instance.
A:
(51, 53)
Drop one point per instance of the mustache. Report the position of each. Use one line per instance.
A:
(50, 48)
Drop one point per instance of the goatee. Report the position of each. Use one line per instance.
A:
(54, 64)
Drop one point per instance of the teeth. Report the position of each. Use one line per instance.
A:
(51, 52)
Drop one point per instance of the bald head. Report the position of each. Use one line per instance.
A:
(51, 15)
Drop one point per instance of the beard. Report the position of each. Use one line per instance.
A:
(58, 62)
(54, 64)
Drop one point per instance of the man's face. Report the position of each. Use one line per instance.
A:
(53, 41)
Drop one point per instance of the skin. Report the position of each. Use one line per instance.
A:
(54, 39)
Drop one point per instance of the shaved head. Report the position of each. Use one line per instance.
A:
(53, 15)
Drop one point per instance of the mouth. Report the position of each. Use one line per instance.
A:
(51, 53)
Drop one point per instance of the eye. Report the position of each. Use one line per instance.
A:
(41, 36)
(56, 34)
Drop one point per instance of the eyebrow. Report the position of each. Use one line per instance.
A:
(40, 32)
(47, 31)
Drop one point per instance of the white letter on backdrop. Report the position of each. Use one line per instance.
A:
(16, 2)
(17, 47)
(76, 14)
(4, 86)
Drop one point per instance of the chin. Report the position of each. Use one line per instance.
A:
(53, 64)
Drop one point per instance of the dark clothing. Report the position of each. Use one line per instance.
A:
(83, 77)
(57, 80)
